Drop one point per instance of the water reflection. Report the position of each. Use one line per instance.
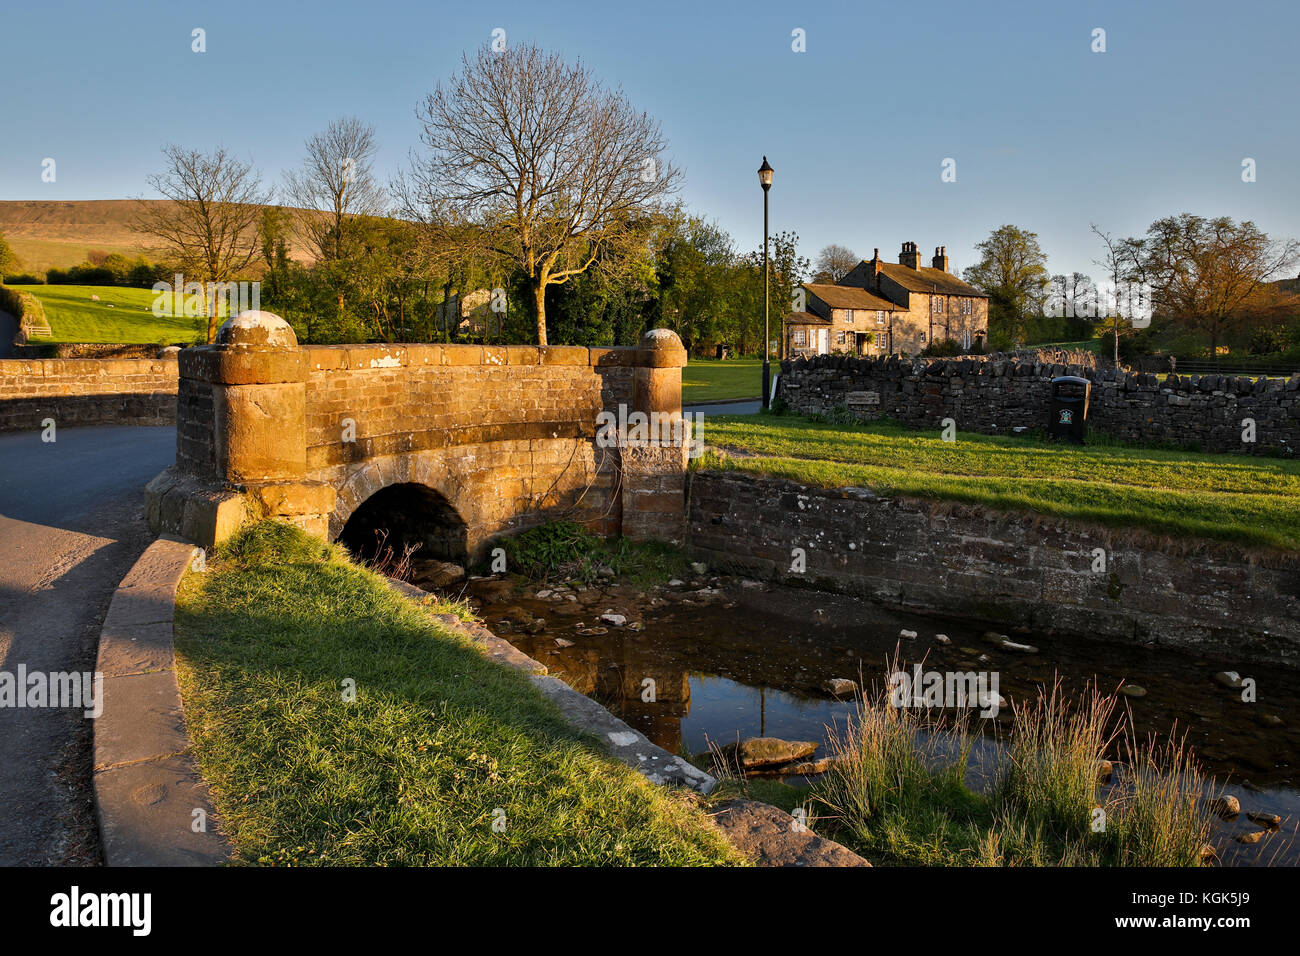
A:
(748, 662)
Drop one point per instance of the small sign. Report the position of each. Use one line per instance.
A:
(862, 398)
(1067, 416)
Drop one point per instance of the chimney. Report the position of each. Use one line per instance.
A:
(940, 260)
(910, 256)
(875, 266)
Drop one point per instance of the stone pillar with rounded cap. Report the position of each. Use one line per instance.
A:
(241, 441)
(259, 400)
(654, 460)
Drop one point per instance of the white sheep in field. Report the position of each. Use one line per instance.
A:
(94, 298)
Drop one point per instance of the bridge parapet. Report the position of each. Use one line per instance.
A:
(507, 435)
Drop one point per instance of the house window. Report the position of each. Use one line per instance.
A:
(798, 336)
(965, 339)
(936, 303)
(848, 316)
(922, 336)
(839, 338)
(880, 318)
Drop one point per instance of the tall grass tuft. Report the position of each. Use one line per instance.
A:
(1162, 805)
(1049, 775)
(897, 792)
(894, 764)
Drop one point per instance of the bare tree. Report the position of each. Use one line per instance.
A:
(210, 224)
(555, 169)
(334, 186)
(1119, 261)
(835, 261)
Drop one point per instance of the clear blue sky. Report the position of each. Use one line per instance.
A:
(1045, 133)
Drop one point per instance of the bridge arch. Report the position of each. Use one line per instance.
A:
(407, 514)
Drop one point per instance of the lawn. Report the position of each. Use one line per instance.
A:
(708, 380)
(438, 745)
(1247, 500)
(122, 316)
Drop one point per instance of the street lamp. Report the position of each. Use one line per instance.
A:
(765, 180)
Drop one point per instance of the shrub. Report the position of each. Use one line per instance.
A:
(942, 347)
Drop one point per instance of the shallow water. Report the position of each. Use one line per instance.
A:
(750, 662)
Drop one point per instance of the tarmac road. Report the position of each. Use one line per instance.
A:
(71, 526)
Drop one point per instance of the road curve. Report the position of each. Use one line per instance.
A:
(71, 526)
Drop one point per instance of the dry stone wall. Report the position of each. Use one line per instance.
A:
(997, 396)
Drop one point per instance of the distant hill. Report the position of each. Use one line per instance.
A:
(49, 234)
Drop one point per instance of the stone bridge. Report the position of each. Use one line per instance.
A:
(455, 444)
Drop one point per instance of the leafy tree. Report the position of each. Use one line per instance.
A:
(9, 262)
(273, 244)
(788, 269)
(1012, 272)
(696, 279)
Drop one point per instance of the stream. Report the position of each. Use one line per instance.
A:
(732, 659)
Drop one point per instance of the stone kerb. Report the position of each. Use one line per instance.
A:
(151, 802)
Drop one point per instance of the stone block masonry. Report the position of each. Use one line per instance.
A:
(506, 436)
(997, 395)
(1005, 570)
(120, 391)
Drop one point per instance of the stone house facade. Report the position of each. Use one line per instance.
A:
(885, 308)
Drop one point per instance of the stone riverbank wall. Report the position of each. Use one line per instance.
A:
(1007, 570)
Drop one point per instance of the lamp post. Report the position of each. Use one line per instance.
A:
(765, 180)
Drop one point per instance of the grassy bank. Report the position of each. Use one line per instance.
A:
(438, 744)
(122, 316)
(708, 380)
(1246, 500)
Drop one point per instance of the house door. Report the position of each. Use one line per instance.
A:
(823, 341)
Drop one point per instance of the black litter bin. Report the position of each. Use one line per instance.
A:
(1069, 419)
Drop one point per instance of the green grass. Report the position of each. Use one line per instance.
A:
(565, 551)
(1246, 500)
(438, 743)
(1097, 345)
(708, 380)
(73, 317)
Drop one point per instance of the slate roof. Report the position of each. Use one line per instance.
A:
(927, 279)
(805, 318)
(850, 297)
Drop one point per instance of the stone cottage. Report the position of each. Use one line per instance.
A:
(880, 308)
